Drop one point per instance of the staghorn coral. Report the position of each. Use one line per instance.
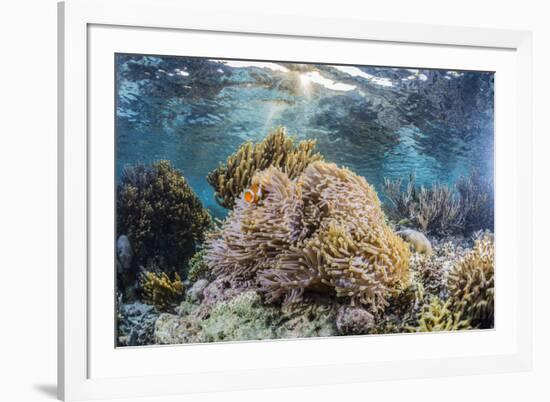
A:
(277, 149)
(161, 214)
(471, 284)
(439, 316)
(160, 291)
(323, 231)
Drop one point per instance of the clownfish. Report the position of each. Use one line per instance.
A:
(253, 194)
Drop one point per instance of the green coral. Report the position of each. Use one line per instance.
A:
(305, 235)
(277, 149)
(160, 214)
(161, 291)
(197, 268)
(471, 284)
(440, 316)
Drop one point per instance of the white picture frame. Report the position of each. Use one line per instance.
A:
(91, 369)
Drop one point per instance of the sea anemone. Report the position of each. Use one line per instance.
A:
(323, 231)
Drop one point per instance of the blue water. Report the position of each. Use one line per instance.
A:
(378, 121)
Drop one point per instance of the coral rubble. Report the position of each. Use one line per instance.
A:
(160, 214)
(135, 323)
(354, 321)
(323, 231)
(277, 149)
(243, 317)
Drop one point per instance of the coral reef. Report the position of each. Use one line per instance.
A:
(471, 284)
(160, 214)
(354, 321)
(431, 271)
(433, 210)
(233, 308)
(476, 202)
(135, 323)
(197, 267)
(160, 291)
(196, 291)
(439, 316)
(239, 318)
(323, 231)
(277, 149)
(243, 317)
(440, 209)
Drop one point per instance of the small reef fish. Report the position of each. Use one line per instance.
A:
(253, 194)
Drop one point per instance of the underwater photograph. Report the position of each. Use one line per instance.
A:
(263, 200)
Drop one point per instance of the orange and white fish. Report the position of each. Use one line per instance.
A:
(253, 194)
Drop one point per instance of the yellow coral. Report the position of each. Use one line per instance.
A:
(160, 291)
(471, 284)
(439, 316)
(277, 149)
(323, 231)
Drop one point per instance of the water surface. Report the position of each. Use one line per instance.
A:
(378, 121)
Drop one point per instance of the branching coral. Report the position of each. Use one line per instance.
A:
(440, 209)
(434, 210)
(277, 149)
(439, 316)
(160, 213)
(477, 211)
(323, 231)
(471, 284)
(160, 291)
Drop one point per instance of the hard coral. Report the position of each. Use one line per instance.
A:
(277, 149)
(160, 213)
(323, 231)
(471, 284)
(439, 316)
(160, 291)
